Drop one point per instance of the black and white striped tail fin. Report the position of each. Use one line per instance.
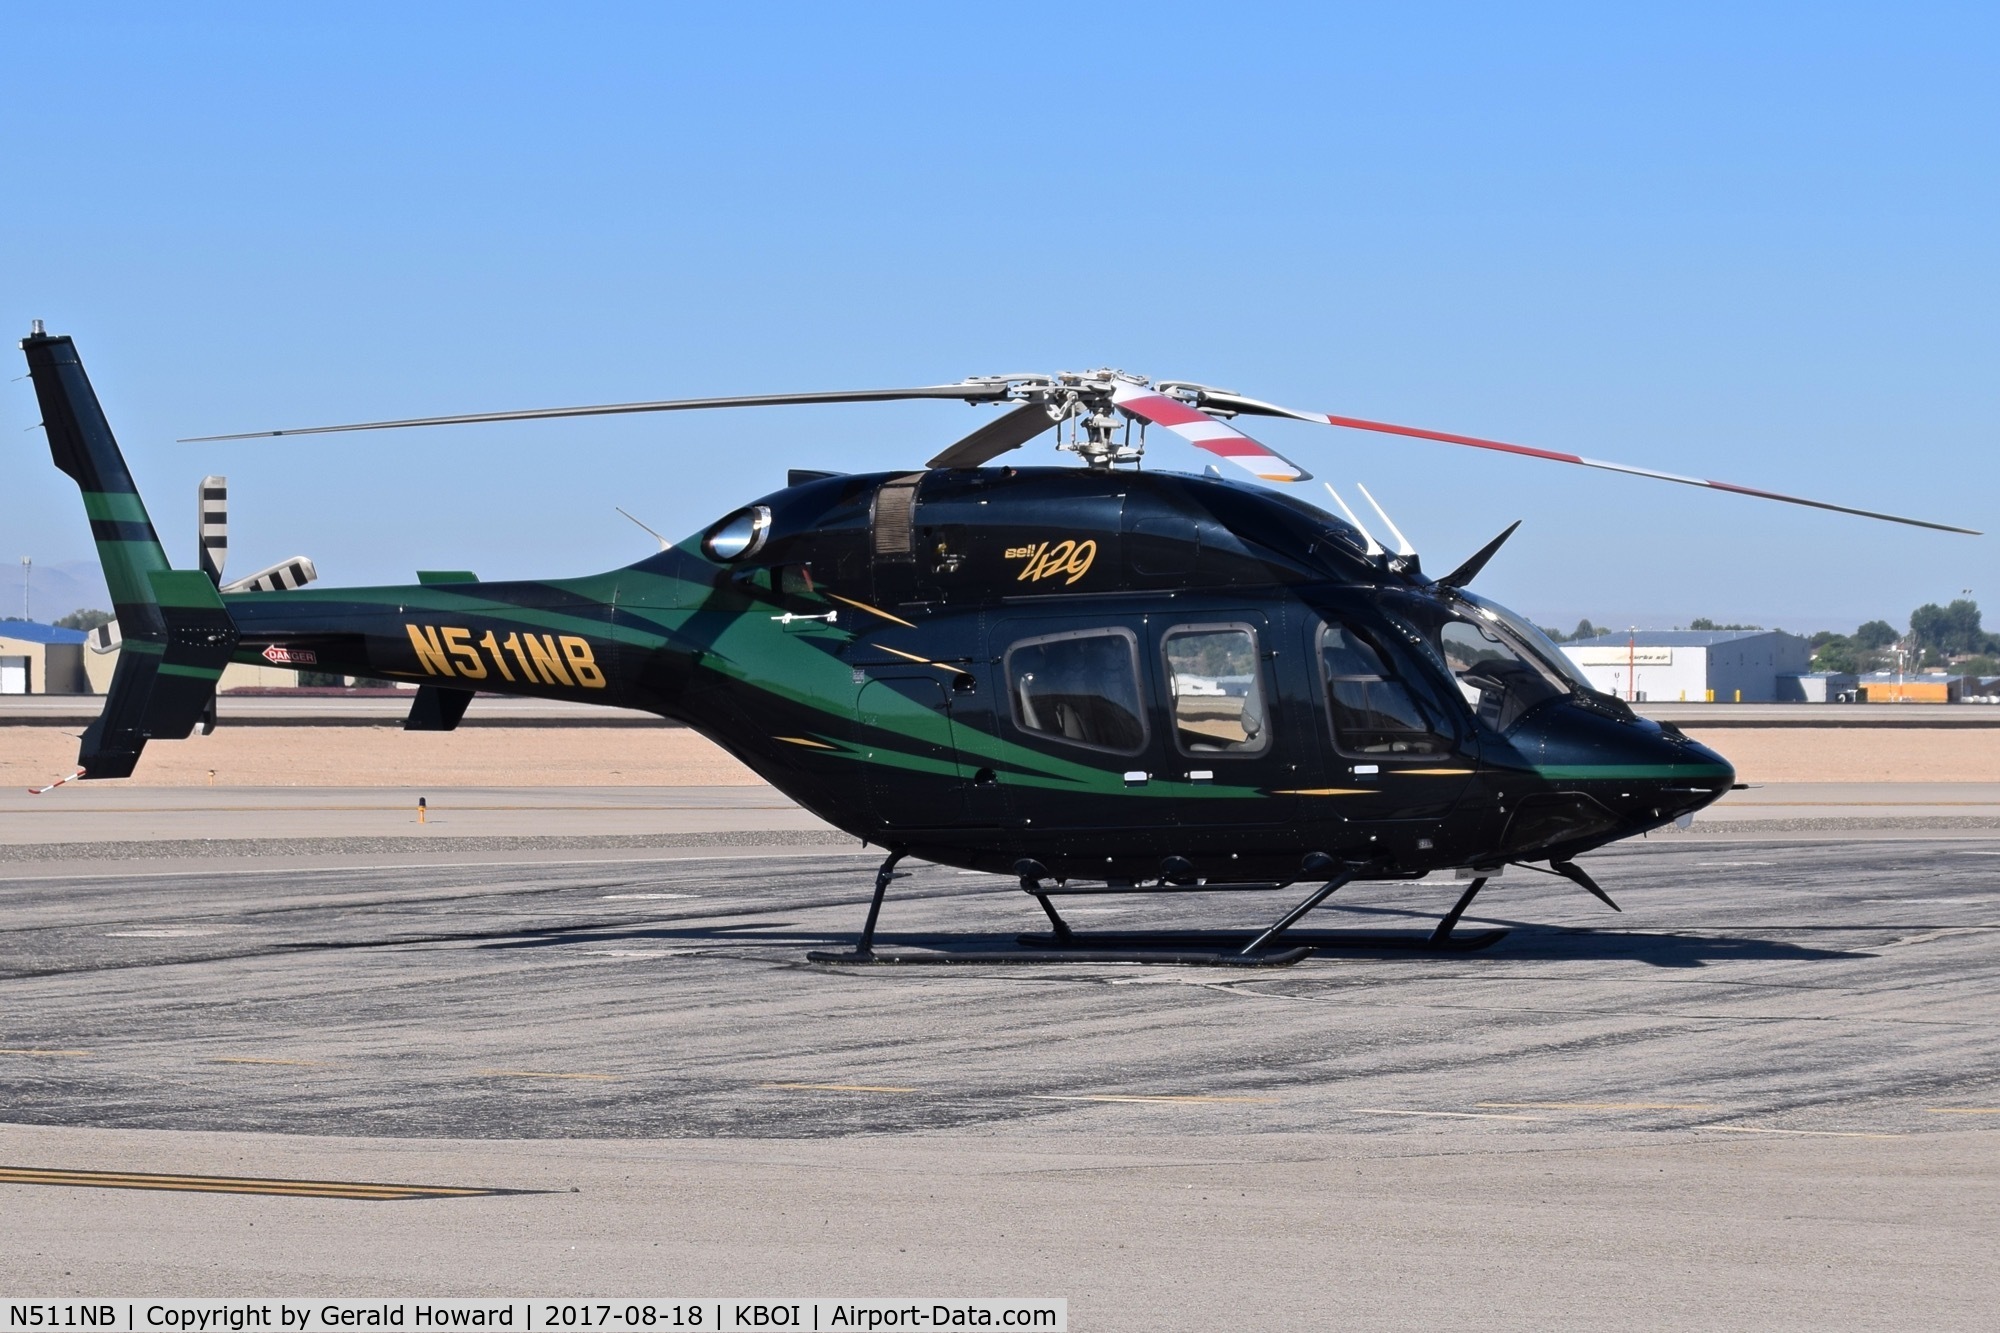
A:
(106, 638)
(214, 528)
(281, 577)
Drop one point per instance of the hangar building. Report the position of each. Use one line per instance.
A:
(1693, 666)
(41, 659)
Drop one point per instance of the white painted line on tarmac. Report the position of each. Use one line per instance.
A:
(1141, 1098)
(1601, 1106)
(1816, 1133)
(744, 853)
(637, 953)
(36, 1051)
(1447, 1115)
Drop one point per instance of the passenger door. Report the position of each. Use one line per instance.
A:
(1224, 748)
(1077, 748)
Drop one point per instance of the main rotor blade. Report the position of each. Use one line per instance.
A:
(971, 391)
(1205, 432)
(1253, 407)
(996, 437)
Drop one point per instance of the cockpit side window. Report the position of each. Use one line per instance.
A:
(1081, 687)
(1373, 712)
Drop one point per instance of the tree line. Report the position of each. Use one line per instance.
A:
(1938, 636)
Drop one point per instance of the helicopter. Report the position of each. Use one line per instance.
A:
(1094, 679)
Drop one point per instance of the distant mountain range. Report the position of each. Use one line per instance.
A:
(54, 590)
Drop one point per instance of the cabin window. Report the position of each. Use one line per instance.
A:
(1081, 687)
(1216, 690)
(1373, 712)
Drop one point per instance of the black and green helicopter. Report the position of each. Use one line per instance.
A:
(1093, 679)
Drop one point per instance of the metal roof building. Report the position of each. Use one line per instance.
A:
(1695, 666)
(41, 659)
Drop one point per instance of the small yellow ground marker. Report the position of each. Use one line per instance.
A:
(1963, 1110)
(835, 1087)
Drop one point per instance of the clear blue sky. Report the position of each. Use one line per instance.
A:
(1754, 243)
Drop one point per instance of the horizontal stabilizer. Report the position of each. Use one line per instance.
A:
(163, 686)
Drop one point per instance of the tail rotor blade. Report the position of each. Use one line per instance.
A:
(214, 526)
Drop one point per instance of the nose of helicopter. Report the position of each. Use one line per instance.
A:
(1610, 776)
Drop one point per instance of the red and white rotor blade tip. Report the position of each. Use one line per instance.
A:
(1205, 432)
(1251, 406)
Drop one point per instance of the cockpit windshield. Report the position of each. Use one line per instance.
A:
(1531, 636)
(1504, 667)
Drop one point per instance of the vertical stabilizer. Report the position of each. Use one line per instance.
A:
(176, 635)
(81, 441)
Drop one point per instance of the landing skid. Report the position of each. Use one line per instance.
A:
(1183, 949)
(1186, 956)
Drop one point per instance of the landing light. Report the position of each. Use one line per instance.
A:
(741, 534)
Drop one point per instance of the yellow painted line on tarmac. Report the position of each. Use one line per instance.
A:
(1816, 1133)
(1139, 1097)
(31, 1050)
(544, 1073)
(305, 1189)
(836, 1087)
(265, 1060)
(1963, 1110)
(1600, 1106)
(1449, 1115)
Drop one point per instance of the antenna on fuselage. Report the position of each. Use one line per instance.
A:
(1403, 546)
(665, 545)
(1374, 547)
